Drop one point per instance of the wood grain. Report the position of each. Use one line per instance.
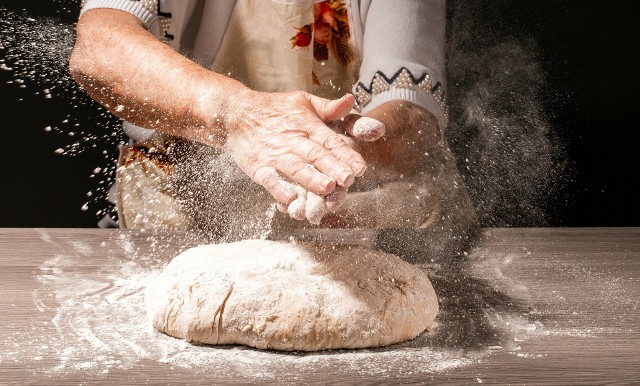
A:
(578, 286)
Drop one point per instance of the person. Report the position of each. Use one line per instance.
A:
(335, 108)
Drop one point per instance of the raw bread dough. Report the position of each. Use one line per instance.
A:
(284, 296)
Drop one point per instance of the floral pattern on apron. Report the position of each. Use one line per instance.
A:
(329, 32)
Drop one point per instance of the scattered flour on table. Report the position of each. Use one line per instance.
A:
(99, 323)
(95, 321)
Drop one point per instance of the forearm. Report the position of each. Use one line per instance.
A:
(140, 79)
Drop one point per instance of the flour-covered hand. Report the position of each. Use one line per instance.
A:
(282, 136)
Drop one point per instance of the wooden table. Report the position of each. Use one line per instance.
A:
(528, 305)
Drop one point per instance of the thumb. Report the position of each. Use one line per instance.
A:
(364, 128)
(332, 110)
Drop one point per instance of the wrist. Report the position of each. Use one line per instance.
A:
(240, 109)
(215, 109)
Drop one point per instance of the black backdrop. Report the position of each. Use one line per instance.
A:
(588, 51)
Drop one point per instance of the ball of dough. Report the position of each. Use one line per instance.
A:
(284, 296)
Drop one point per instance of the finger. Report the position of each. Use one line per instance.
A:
(363, 128)
(335, 199)
(339, 148)
(297, 209)
(324, 161)
(350, 141)
(315, 209)
(305, 174)
(282, 208)
(332, 110)
(272, 181)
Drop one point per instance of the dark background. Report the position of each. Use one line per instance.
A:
(588, 51)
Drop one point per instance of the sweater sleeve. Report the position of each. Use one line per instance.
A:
(145, 10)
(403, 54)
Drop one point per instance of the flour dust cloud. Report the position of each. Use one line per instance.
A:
(511, 159)
(34, 52)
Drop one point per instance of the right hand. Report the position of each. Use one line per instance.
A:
(353, 129)
(281, 142)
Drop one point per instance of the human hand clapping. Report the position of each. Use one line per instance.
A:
(411, 131)
(412, 134)
(281, 141)
(314, 207)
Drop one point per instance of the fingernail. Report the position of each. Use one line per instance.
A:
(358, 168)
(327, 185)
(282, 208)
(346, 179)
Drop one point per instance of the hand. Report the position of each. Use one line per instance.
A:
(313, 207)
(411, 131)
(281, 142)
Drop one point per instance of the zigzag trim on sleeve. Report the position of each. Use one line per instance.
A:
(402, 79)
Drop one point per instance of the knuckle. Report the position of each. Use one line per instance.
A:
(333, 141)
(315, 153)
(296, 96)
(290, 163)
(260, 175)
(270, 181)
(294, 167)
(346, 153)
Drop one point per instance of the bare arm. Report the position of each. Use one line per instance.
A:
(272, 136)
(140, 79)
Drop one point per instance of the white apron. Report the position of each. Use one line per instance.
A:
(257, 50)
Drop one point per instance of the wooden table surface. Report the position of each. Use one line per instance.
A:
(527, 306)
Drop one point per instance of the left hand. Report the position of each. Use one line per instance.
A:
(411, 131)
(394, 161)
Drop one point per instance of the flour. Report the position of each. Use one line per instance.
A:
(34, 56)
(498, 128)
(315, 208)
(99, 323)
(94, 322)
